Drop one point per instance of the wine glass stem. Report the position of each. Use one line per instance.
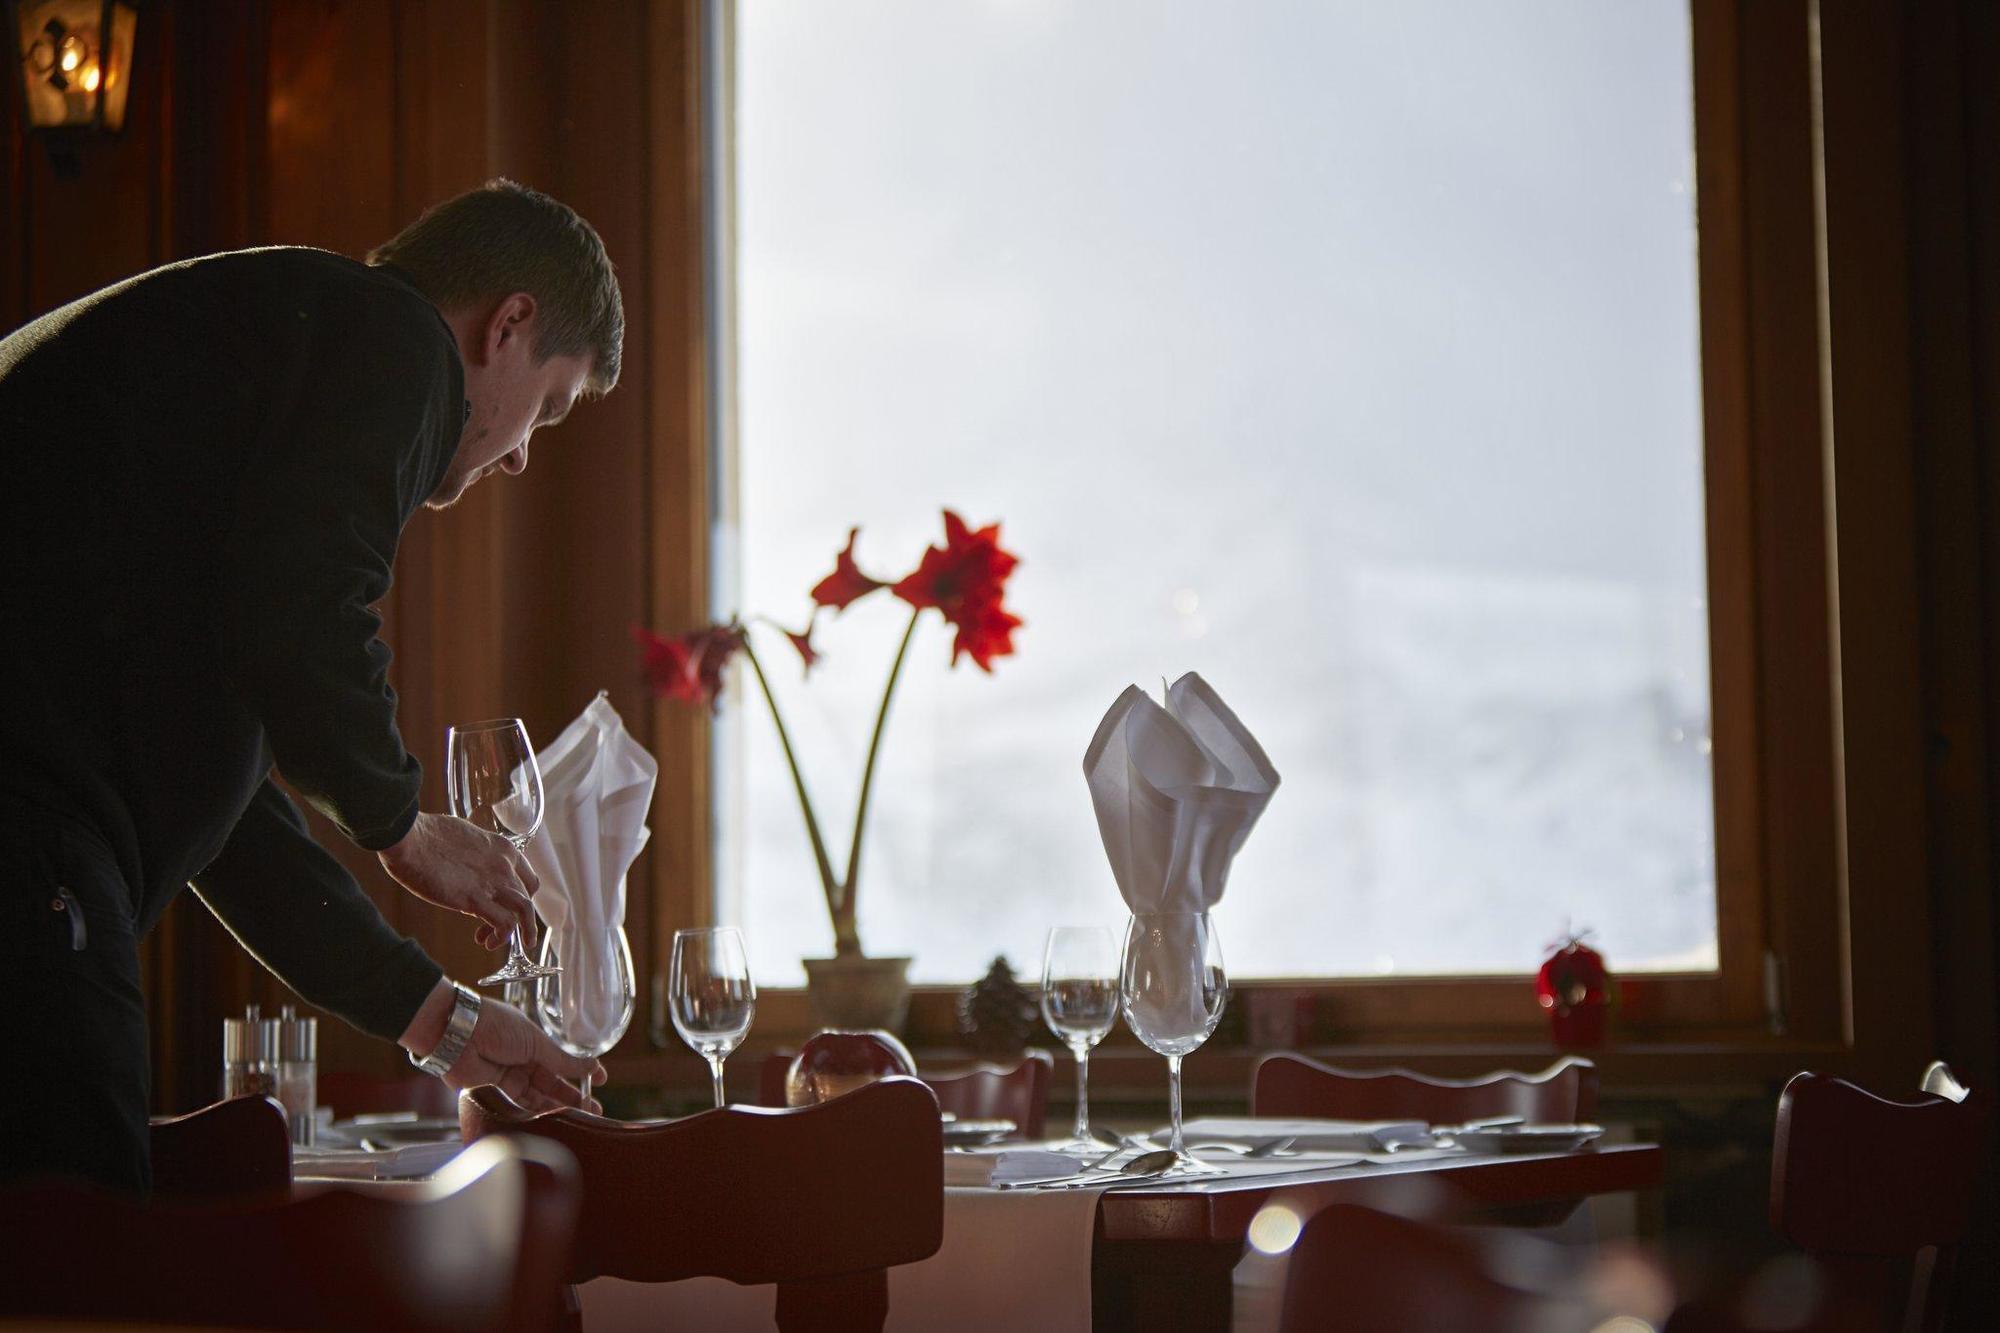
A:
(715, 1074)
(1082, 1092)
(1174, 1101)
(583, 1086)
(515, 953)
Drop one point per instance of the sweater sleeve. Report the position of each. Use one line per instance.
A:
(356, 433)
(299, 912)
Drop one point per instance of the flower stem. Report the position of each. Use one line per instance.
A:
(825, 863)
(845, 938)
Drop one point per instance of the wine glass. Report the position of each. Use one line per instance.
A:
(1172, 989)
(587, 1006)
(710, 994)
(495, 783)
(1080, 1003)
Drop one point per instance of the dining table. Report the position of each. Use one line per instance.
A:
(1148, 1254)
(1164, 1255)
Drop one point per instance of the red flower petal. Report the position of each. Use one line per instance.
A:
(687, 668)
(965, 580)
(847, 582)
(802, 641)
(985, 635)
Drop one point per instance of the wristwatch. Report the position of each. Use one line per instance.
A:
(457, 1033)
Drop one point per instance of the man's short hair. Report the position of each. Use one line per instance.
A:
(504, 238)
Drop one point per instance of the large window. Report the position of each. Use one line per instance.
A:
(1345, 353)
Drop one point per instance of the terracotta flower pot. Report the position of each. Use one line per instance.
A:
(853, 992)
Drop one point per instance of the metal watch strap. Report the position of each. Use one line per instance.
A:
(457, 1033)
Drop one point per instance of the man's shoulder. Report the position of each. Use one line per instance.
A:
(303, 276)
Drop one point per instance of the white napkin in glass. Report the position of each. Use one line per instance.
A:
(597, 785)
(1177, 791)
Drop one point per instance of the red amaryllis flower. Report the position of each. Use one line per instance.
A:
(688, 667)
(965, 579)
(846, 583)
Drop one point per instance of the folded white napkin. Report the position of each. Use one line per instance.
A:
(597, 785)
(1177, 790)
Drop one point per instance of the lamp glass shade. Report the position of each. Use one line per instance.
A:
(75, 61)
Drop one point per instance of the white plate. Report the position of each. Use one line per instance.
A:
(973, 1133)
(1527, 1138)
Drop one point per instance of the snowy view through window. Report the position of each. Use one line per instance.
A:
(1344, 353)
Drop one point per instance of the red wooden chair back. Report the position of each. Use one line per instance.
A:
(1019, 1093)
(821, 1200)
(469, 1252)
(990, 1092)
(238, 1149)
(1880, 1192)
(1355, 1268)
(350, 1093)
(1292, 1085)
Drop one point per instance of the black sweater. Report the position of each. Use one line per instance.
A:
(207, 471)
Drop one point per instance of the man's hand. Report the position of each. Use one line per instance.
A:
(458, 865)
(507, 1050)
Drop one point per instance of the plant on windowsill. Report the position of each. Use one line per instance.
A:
(964, 580)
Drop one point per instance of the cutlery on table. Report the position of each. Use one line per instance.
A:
(1278, 1147)
(1143, 1167)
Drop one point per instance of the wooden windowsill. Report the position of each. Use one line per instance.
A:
(1120, 1072)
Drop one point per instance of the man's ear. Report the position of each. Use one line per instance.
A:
(507, 324)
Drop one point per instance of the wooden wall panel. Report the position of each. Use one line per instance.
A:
(1793, 543)
(1872, 448)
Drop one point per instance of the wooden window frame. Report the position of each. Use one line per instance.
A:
(1785, 721)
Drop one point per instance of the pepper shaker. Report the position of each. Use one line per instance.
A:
(249, 1055)
(298, 1073)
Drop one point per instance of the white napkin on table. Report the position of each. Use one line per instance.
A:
(597, 785)
(1177, 789)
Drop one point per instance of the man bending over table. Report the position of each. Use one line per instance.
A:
(208, 468)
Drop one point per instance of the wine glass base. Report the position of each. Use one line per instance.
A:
(520, 971)
(1186, 1165)
(1074, 1146)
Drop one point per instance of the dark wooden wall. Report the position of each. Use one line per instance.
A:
(332, 123)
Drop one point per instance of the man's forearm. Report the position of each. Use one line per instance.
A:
(304, 917)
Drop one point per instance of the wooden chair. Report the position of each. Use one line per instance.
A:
(1355, 1268)
(1880, 1192)
(821, 1200)
(480, 1248)
(350, 1093)
(240, 1148)
(1285, 1084)
(1018, 1092)
(990, 1092)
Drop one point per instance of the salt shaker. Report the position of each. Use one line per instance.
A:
(249, 1055)
(298, 1072)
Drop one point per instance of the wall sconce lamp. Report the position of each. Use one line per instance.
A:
(76, 62)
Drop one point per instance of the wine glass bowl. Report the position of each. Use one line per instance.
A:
(1172, 989)
(710, 995)
(1080, 1004)
(586, 1006)
(495, 784)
